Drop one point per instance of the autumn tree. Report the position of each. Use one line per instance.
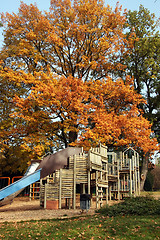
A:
(62, 60)
(78, 39)
(13, 159)
(101, 110)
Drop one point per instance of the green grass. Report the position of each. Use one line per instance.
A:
(85, 227)
(133, 206)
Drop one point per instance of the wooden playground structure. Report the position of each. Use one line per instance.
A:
(102, 174)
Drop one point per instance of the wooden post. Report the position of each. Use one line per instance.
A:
(101, 190)
(121, 157)
(124, 182)
(60, 188)
(136, 182)
(30, 192)
(40, 194)
(118, 179)
(89, 182)
(133, 175)
(45, 195)
(138, 174)
(130, 175)
(127, 182)
(110, 195)
(74, 182)
(122, 161)
(106, 179)
(33, 189)
(83, 189)
(107, 195)
(96, 189)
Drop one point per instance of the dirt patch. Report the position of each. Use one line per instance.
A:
(24, 210)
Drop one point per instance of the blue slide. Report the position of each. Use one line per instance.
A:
(11, 191)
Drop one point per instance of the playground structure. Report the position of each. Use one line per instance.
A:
(102, 174)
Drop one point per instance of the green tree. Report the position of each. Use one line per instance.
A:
(143, 63)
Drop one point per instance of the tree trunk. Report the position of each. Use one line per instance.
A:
(72, 136)
(144, 171)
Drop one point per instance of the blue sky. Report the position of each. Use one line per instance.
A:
(13, 5)
(152, 5)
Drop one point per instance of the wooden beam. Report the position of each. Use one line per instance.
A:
(118, 179)
(60, 188)
(74, 182)
(96, 189)
(45, 195)
(89, 182)
(130, 175)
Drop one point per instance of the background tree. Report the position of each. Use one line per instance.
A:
(143, 64)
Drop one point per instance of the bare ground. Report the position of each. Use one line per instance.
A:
(23, 210)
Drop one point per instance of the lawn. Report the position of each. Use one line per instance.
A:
(85, 227)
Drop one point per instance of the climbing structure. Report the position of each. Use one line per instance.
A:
(103, 174)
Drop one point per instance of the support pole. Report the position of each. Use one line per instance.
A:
(134, 189)
(106, 178)
(101, 190)
(89, 182)
(130, 175)
(96, 189)
(30, 192)
(74, 182)
(60, 188)
(135, 174)
(118, 179)
(138, 174)
(127, 182)
(45, 195)
(110, 196)
(83, 189)
(124, 180)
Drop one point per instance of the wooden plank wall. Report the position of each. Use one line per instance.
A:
(81, 167)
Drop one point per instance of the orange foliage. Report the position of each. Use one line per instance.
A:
(98, 111)
(61, 59)
(80, 39)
